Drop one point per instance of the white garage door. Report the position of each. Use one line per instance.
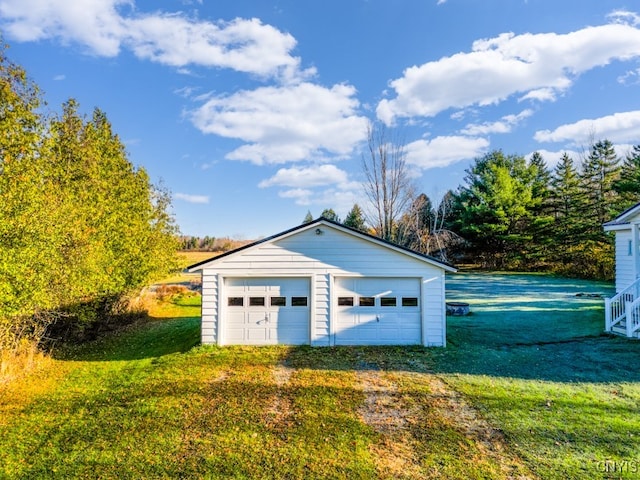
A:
(266, 311)
(377, 311)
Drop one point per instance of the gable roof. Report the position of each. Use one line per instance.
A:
(623, 219)
(338, 226)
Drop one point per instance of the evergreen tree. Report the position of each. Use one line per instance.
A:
(565, 189)
(355, 219)
(308, 218)
(540, 229)
(628, 185)
(600, 171)
(567, 204)
(495, 206)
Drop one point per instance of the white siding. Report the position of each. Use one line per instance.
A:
(209, 308)
(624, 262)
(332, 253)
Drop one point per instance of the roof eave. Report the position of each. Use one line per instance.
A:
(425, 258)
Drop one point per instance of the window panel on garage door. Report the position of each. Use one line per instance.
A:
(385, 311)
(266, 311)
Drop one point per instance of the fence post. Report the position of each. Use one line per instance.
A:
(629, 317)
(607, 314)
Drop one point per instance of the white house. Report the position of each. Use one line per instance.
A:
(323, 284)
(623, 310)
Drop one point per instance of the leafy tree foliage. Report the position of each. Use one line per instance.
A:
(329, 214)
(80, 226)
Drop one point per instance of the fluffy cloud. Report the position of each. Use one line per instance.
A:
(285, 124)
(306, 177)
(534, 66)
(443, 151)
(504, 125)
(619, 128)
(191, 198)
(104, 27)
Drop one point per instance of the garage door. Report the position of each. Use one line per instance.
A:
(266, 311)
(377, 311)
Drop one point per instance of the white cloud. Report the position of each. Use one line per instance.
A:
(631, 77)
(285, 124)
(191, 198)
(504, 125)
(340, 199)
(300, 195)
(313, 176)
(104, 27)
(443, 151)
(59, 78)
(536, 66)
(625, 17)
(619, 127)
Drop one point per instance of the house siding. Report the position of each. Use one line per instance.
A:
(209, 308)
(321, 258)
(624, 262)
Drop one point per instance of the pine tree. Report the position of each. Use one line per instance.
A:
(308, 218)
(628, 185)
(566, 201)
(600, 170)
(355, 219)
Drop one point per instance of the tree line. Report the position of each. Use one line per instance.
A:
(509, 213)
(81, 228)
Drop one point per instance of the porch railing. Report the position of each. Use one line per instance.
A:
(616, 306)
(632, 317)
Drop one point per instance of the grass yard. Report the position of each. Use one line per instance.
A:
(528, 387)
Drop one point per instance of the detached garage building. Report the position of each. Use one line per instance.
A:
(323, 284)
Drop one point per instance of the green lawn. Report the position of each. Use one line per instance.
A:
(528, 387)
(534, 360)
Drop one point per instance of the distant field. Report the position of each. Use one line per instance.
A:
(189, 258)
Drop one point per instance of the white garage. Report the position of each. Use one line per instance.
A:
(323, 284)
(377, 311)
(267, 311)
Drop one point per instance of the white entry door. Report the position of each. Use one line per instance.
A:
(266, 311)
(377, 311)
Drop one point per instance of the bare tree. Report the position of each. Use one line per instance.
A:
(387, 185)
(423, 227)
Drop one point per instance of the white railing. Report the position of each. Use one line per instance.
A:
(616, 306)
(632, 317)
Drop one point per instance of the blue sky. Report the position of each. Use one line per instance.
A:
(254, 112)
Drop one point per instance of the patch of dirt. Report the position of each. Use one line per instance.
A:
(392, 418)
(279, 414)
(384, 411)
(490, 441)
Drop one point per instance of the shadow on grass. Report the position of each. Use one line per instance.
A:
(522, 326)
(536, 327)
(151, 338)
